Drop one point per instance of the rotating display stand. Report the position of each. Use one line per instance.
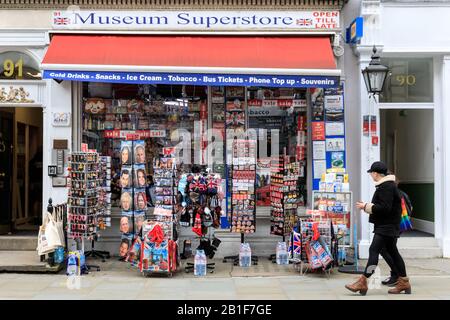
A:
(104, 207)
(84, 184)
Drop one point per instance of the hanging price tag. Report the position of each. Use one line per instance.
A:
(375, 140)
(132, 136)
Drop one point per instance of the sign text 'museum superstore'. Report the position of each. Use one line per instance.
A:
(189, 20)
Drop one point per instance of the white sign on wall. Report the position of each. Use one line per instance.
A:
(61, 119)
(196, 20)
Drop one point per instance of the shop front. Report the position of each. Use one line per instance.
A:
(268, 85)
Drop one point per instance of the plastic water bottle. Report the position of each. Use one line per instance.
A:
(281, 253)
(200, 263)
(72, 265)
(59, 255)
(83, 267)
(245, 255)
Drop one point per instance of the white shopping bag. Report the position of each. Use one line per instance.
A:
(59, 219)
(49, 238)
(43, 244)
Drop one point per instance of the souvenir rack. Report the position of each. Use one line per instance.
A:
(160, 256)
(337, 206)
(318, 244)
(284, 195)
(243, 193)
(82, 205)
(104, 206)
(209, 199)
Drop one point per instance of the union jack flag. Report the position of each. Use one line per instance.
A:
(304, 22)
(295, 246)
(58, 19)
(61, 21)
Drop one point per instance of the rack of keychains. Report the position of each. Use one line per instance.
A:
(82, 206)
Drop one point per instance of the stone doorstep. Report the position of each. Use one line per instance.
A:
(43, 268)
(18, 243)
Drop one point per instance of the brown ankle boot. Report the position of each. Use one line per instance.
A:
(402, 285)
(360, 285)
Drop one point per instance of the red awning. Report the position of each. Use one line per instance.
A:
(307, 55)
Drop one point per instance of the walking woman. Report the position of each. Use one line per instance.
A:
(385, 213)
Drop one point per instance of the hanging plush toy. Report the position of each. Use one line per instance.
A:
(197, 228)
(207, 218)
(182, 185)
(156, 235)
(185, 217)
(315, 229)
(212, 186)
(217, 215)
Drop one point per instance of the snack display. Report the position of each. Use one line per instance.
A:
(284, 195)
(243, 197)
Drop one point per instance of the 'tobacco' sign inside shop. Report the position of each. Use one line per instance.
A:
(196, 20)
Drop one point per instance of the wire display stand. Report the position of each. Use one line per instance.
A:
(208, 199)
(284, 195)
(104, 207)
(158, 244)
(84, 186)
(243, 196)
(316, 232)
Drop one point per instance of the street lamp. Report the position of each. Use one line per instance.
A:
(375, 74)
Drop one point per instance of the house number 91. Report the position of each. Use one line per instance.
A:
(409, 80)
(9, 66)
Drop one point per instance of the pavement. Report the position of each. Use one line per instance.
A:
(430, 279)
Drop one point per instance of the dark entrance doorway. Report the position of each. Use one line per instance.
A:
(6, 163)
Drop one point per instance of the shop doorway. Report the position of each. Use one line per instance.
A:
(21, 143)
(407, 147)
(6, 160)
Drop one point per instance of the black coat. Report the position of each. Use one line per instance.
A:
(386, 209)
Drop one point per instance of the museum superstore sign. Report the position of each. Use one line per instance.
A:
(196, 20)
(287, 81)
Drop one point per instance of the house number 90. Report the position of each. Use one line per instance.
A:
(409, 80)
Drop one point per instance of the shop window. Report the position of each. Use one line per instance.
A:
(411, 80)
(16, 65)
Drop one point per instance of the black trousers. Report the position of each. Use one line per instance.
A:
(379, 243)
(390, 261)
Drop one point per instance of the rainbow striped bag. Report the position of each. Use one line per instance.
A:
(405, 222)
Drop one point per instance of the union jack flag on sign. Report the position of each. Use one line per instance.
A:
(304, 22)
(58, 19)
(295, 247)
(61, 21)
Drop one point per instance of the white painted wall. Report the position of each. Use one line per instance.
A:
(415, 28)
(353, 126)
(59, 100)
